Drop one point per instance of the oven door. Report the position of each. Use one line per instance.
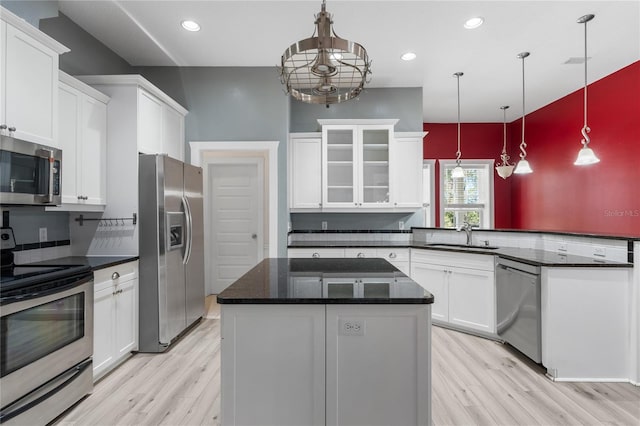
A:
(44, 336)
(30, 173)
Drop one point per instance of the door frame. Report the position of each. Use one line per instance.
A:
(237, 149)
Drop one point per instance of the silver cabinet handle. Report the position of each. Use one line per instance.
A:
(115, 276)
(3, 126)
(79, 197)
(11, 129)
(392, 255)
(254, 236)
(315, 255)
(360, 255)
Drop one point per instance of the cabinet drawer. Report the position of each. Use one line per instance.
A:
(457, 259)
(393, 254)
(115, 275)
(316, 252)
(360, 252)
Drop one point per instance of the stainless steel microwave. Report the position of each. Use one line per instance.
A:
(29, 173)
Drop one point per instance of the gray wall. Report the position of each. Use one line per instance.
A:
(27, 221)
(232, 104)
(32, 11)
(88, 55)
(404, 103)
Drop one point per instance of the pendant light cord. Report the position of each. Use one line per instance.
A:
(523, 144)
(585, 128)
(458, 152)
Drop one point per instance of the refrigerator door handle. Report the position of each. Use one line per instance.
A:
(187, 214)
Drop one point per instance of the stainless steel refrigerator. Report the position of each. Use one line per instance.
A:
(171, 281)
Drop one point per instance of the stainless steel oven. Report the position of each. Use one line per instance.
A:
(46, 341)
(29, 173)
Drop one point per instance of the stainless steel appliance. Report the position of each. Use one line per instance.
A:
(518, 306)
(46, 338)
(29, 173)
(171, 250)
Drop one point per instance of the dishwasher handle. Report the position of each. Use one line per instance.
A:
(517, 271)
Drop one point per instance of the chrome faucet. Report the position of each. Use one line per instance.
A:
(467, 229)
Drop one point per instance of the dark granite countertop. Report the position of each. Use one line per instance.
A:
(529, 256)
(324, 281)
(95, 262)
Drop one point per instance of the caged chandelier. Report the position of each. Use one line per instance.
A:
(324, 69)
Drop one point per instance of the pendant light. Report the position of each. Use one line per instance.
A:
(458, 172)
(523, 166)
(324, 68)
(504, 169)
(586, 155)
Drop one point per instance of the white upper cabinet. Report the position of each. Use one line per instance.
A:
(172, 132)
(149, 123)
(305, 171)
(83, 139)
(406, 170)
(355, 165)
(28, 81)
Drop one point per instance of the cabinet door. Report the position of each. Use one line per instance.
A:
(406, 173)
(339, 167)
(304, 287)
(93, 148)
(103, 328)
(149, 123)
(434, 278)
(69, 137)
(374, 142)
(360, 252)
(30, 95)
(172, 133)
(305, 176)
(126, 339)
(472, 299)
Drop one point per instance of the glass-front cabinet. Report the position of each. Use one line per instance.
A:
(356, 162)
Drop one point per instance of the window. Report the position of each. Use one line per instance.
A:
(468, 199)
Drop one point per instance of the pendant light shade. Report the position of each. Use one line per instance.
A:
(504, 169)
(324, 68)
(523, 166)
(458, 172)
(586, 155)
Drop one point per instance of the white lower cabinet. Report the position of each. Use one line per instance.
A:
(325, 364)
(463, 286)
(316, 252)
(115, 329)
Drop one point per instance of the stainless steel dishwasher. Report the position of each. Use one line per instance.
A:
(518, 306)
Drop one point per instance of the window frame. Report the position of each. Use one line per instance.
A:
(488, 215)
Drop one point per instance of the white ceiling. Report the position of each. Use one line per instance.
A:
(256, 33)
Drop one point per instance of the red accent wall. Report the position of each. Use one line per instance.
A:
(603, 198)
(477, 141)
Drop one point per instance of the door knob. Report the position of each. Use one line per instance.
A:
(254, 236)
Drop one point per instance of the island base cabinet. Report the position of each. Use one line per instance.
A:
(378, 365)
(325, 364)
(272, 365)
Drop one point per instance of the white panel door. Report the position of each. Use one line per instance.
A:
(406, 172)
(435, 279)
(31, 90)
(126, 332)
(305, 173)
(172, 133)
(103, 327)
(93, 151)
(149, 123)
(236, 220)
(472, 299)
(69, 136)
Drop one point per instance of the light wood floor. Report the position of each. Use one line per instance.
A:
(475, 382)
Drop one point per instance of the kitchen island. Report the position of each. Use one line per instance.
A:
(325, 341)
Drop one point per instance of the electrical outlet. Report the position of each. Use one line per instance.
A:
(599, 251)
(401, 225)
(43, 235)
(562, 247)
(351, 327)
(324, 225)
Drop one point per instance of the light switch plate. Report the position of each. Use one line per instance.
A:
(43, 235)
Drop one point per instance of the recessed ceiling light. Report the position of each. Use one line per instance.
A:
(409, 56)
(190, 25)
(474, 22)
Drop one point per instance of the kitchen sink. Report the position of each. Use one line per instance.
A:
(464, 246)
